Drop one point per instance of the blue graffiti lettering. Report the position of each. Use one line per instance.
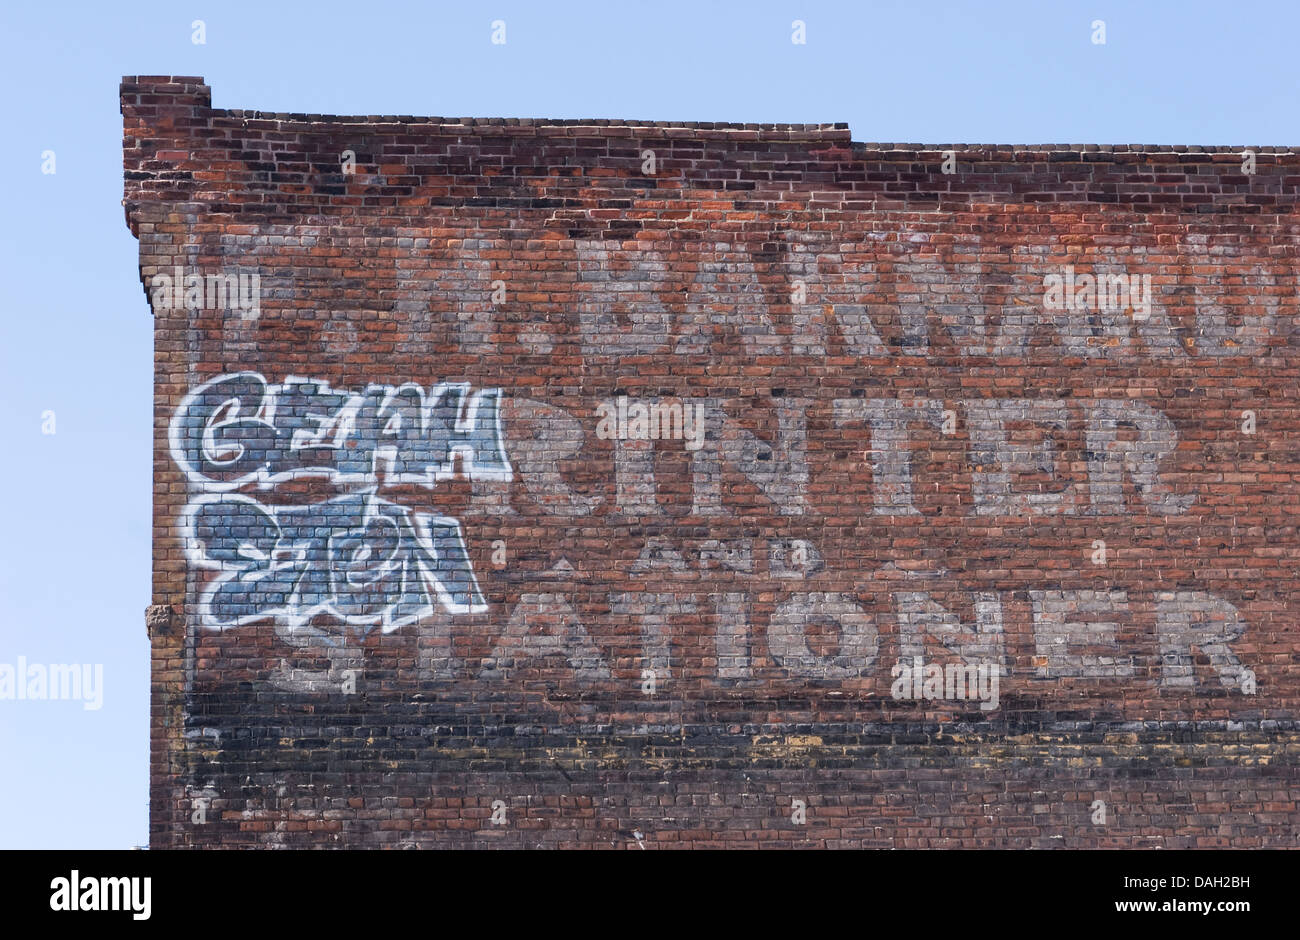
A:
(360, 558)
(237, 429)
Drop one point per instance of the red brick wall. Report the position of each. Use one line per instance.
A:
(393, 615)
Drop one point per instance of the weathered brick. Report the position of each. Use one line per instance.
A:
(1024, 436)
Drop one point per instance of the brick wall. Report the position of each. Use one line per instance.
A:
(600, 483)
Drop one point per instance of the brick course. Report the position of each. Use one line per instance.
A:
(907, 449)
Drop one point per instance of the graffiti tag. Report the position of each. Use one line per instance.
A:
(359, 558)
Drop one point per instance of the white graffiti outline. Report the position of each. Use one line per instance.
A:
(313, 580)
(343, 423)
(292, 611)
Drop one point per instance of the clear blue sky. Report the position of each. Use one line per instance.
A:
(75, 336)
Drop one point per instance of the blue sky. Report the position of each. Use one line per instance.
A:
(75, 337)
